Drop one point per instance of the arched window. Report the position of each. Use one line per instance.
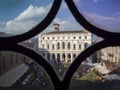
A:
(69, 58)
(53, 46)
(68, 46)
(53, 57)
(74, 56)
(47, 46)
(74, 46)
(74, 37)
(79, 37)
(86, 45)
(63, 45)
(63, 57)
(58, 45)
(79, 46)
(85, 37)
(58, 57)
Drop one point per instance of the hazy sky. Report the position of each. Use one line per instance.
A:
(19, 16)
(103, 13)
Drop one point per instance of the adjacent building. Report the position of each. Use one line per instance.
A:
(111, 54)
(12, 65)
(108, 57)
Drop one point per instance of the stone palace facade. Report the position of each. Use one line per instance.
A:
(63, 46)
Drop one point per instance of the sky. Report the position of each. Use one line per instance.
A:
(102, 13)
(12, 8)
(19, 16)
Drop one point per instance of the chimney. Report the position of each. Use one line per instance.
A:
(56, 27)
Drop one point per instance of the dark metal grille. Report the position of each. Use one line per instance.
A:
(11, 44)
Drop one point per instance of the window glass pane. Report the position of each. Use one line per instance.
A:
(18, 17)
(100, 71)
(104, 14)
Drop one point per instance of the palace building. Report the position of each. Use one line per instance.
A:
(63, 46)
